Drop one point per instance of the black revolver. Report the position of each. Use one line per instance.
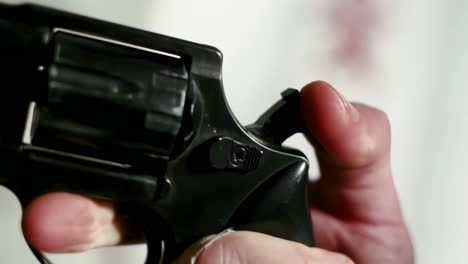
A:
(140, 118)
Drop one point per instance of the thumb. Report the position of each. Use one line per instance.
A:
(242, 247)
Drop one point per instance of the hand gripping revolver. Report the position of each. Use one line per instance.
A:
(139, 118)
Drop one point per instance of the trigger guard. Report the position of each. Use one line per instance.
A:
(159, 240)
(39, 256)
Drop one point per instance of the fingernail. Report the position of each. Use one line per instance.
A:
(208, 242)
(104, 232)
(352, 112)
(91, 228)
(71, 229)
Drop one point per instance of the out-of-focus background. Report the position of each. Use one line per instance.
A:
(406, 57)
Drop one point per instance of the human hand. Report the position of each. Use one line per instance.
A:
(354, 205)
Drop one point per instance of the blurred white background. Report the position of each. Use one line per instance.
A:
(415, 68)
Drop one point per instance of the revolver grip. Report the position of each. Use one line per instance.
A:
(279, 207)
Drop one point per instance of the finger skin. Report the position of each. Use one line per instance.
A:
(355, 205)
(255, 248)
(65, 222)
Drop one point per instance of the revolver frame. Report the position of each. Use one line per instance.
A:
(142, 119)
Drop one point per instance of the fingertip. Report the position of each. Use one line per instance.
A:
(65, 222)
(352, 134)
(57, 222)
(322, 104)
(327, 114)
(315, 84)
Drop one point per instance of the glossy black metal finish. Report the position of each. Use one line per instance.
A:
(142, 119)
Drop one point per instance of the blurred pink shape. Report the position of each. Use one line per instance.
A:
(353, 23)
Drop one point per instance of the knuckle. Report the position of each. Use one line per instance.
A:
(375, 115)
(373, 112)
(374, 139)
(383, 128)
(382, 118)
